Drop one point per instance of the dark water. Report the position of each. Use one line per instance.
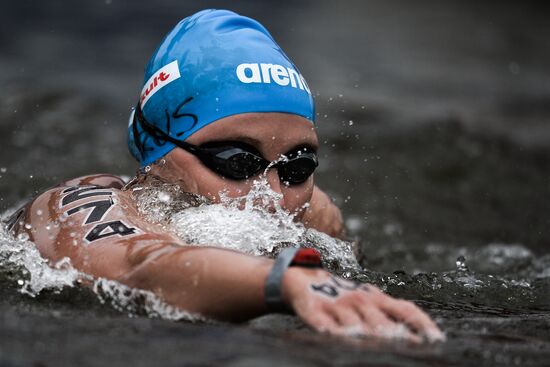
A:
(435, 123)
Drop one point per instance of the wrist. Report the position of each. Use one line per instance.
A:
(290, 283)
(277, 297)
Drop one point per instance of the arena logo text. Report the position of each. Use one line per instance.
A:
(265, 73)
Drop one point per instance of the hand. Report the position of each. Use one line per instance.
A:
(323, 215)
(331, 304)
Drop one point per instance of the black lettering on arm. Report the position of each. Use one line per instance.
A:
(77, 193)
(100, 209)
(108, 229)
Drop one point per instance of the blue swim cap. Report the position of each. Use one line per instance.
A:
(213, 64)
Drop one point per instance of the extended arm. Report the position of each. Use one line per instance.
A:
(104, 236)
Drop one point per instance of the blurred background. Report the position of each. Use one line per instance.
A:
(434, 116)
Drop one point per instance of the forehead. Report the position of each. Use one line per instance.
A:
(264, 130)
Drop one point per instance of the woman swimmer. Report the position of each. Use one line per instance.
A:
(221, 103)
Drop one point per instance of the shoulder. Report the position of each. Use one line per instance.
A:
(103, 180)
(89, 182)
(88, 208)
(92, 221)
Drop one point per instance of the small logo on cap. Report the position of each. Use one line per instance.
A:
(164, 76)
(265, 73)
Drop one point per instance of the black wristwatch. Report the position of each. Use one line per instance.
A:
(292, 256)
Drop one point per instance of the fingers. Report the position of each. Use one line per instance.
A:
(382, 326)
(322, 322)
(414, 317)
(340, 307)
(356, 318)
(349, 321)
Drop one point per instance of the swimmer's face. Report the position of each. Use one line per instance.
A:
(271, 134)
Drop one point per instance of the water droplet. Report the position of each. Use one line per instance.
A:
(461, 263)
(350, 122)
(39, 212)
(3, 169)
(164, 197)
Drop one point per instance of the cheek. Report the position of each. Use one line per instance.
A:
(195, 178)
(211, 185)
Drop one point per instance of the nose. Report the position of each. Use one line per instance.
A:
(275, 184)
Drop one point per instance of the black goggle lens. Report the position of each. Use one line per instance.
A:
(243, 165)
(238, 164)
(297, 170)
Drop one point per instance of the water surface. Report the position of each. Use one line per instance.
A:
(434, 124)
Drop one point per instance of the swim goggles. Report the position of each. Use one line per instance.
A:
(238, 160)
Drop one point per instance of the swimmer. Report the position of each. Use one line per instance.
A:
(221, 105)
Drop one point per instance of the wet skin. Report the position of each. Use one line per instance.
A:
(272, 134)
(210, 281)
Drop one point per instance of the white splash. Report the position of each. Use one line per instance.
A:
(257, 225)
(21, 261)
(21, 254)
(252, 230)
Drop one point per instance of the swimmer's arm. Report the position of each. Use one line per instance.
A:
(217, 283)
(227, 285)
(323, 215)
(213, 282)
